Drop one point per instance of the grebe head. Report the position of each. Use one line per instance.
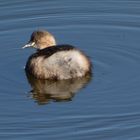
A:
(41, 40)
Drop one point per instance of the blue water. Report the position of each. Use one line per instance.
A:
(107, 108)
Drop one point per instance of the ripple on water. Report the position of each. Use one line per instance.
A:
(108, 31)
(86, 126)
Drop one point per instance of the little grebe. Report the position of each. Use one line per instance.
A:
(53, 61)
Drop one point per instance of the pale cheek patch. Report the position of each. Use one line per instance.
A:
(46, 41)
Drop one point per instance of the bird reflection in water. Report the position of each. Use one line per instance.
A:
(45, 91)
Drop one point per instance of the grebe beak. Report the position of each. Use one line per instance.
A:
(30, 44)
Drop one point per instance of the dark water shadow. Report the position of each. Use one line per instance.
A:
(46, 91)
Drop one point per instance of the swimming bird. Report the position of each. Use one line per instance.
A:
(52, 61)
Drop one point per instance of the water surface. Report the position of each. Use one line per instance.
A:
(105, 109)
